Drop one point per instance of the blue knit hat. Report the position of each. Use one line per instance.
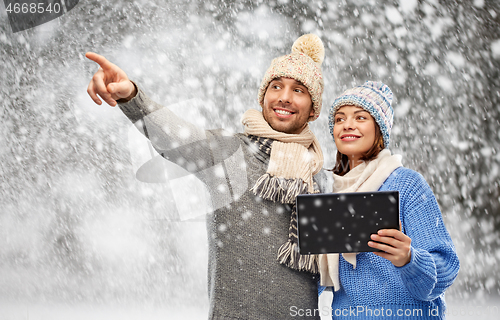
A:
(374, 97)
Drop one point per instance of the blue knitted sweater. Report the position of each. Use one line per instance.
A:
(377, 289)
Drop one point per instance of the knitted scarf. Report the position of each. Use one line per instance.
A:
(366, 177)
(294, 160)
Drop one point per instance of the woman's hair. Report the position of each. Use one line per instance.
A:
(342, 163)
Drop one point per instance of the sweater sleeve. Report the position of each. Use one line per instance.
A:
(172, 137)
(434, 263)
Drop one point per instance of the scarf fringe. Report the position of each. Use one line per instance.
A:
(285, 190)
(288, 254)
(279, 189)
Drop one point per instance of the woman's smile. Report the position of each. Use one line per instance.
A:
(354, 132)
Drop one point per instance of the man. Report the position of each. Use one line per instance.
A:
(255, 270)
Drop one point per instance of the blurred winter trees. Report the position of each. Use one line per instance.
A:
(76, 224)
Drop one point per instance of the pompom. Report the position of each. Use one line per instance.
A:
(311, 45)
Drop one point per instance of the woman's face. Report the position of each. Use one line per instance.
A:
(354, 131)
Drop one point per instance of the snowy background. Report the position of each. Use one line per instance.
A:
(82, 238)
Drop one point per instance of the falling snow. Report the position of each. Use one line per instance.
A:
(76, 226)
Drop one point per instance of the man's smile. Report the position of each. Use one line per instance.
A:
(283, 113)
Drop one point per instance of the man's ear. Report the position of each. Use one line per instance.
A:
(312, 111)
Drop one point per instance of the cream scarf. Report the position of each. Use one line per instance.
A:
(294, 160)
(366, 177)
(293, 156)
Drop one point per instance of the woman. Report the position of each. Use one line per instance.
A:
(408, 277)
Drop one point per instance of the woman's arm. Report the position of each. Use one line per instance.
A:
(434, 264)
(423, 253)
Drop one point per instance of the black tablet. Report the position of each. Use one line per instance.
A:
(343, 222)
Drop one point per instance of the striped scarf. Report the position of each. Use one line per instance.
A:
(293, 161)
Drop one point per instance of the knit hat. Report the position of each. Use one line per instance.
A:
(304, 65)
(374, 97)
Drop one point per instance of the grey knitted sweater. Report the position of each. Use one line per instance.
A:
(245, 281)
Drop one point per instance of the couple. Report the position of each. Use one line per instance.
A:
(255, 270)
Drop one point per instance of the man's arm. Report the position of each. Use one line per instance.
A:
(174, 138)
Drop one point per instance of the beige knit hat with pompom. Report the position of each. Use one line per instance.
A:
(304, 65)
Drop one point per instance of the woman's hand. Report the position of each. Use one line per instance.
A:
(395, 246)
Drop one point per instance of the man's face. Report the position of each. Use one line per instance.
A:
(287, 105)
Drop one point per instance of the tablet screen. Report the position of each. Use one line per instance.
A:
(343, 222)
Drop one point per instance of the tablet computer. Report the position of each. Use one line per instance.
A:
(343, 222)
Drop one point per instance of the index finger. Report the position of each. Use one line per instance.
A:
(100, 60)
